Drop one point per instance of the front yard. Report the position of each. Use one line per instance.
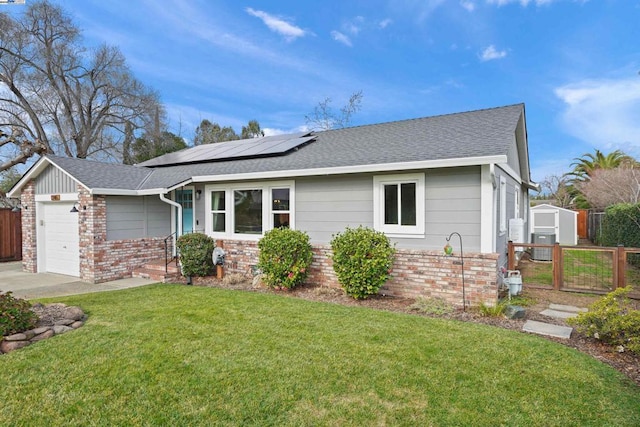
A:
(179, 355)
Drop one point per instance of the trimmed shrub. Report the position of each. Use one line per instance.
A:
(285, 257)
(15, 315)
(195, 254)
(613, 320)
(362, 260)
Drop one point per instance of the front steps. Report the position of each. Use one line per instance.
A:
(155, 270)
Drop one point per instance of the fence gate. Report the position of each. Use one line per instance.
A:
(10, 235)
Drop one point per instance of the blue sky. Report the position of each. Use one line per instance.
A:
(573, 63)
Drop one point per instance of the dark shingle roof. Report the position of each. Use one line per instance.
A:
(477, 133)
(103, 175)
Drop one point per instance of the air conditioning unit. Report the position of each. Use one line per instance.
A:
(542, 254)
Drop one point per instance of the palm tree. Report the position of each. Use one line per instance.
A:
(585, 166)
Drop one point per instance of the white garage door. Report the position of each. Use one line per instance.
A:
(62, 251)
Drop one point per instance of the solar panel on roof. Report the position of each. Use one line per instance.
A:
(257, 147)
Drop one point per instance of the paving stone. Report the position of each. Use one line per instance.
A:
(558, 314)
(542, 328)
(569, 308)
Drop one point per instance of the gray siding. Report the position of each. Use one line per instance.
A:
(325, 206)
(502, 238)
(53, 181)
(452, 204)
(131, 217)
(452, 196)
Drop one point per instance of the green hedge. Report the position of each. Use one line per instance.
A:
(285, 257)
(195, 254)
(362, 260)
(621, 226)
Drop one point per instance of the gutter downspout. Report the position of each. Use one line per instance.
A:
(179, 230)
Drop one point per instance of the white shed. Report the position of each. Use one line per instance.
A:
(549, 219)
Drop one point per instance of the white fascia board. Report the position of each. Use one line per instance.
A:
(121, 192)
(384, 167)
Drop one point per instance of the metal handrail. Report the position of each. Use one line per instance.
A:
(174, 254)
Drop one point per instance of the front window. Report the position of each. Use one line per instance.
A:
(280, 207)
(247, 211)
(399, 204)
(218, 213)
(236, 211)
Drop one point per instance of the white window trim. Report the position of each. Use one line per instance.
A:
(411, 231)
(267, 217)
(503, 205)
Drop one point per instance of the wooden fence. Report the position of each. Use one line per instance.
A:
(578, 268)
(10, 235)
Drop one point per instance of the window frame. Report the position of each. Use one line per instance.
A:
(393, 230)
(267, 207)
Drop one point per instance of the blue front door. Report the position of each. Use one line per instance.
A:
(185, 198)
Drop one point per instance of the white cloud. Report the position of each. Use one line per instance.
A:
(603, 113)
(468, 5)
(491, 53)
(278, 25)
(342, 38)
(385, 23)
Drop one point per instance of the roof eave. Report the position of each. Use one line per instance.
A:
(369, 168)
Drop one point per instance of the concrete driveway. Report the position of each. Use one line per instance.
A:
(44, 285)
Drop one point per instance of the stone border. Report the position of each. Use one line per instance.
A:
(66, 319)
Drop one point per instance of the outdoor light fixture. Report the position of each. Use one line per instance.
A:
(75, 207)
(448, 251)
(198, 194)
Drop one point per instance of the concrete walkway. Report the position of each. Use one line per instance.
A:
(45, 285)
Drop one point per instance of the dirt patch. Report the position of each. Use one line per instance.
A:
(539, 300)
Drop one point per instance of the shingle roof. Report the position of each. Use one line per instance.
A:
(103, 175)
(479, 133)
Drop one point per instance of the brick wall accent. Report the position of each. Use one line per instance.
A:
(102, 260)
(416, 273)
(29, 238)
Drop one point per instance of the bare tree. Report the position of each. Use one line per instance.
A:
(324, 118)
(557, 189)
(58, 97)
(608, 187)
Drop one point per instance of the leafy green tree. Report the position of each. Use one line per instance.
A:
(209, 133)
(8, 178)
(147, 147)
(251, 130)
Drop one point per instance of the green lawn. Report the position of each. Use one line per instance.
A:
(179, 355)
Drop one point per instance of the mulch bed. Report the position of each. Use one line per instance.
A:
(625, 362)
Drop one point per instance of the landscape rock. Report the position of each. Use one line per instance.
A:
(77, 324)
(73, 313)
(64, 322)
(515, 312)
(16, 337)
(43, 335)
(7, 346)
(61, 329)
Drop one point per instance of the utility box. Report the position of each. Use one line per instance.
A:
(542, 254)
